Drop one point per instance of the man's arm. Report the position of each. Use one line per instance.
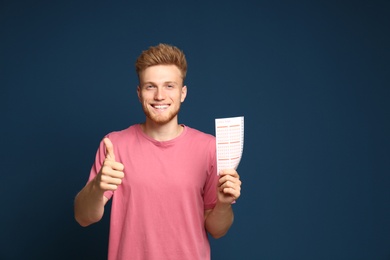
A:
(219, 219)
(89, 203)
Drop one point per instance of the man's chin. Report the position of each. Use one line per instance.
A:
(160, 119)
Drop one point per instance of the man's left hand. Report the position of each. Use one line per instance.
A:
(229, 186)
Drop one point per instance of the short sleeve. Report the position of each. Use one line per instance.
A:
(210, 187)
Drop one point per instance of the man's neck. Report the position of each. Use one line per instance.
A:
(163, 132)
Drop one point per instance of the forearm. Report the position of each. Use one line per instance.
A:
(219, 220)
(89, 205)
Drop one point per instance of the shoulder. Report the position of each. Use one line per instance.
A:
(199, 138)
(194, 133)
(121, 138)
(121, 134)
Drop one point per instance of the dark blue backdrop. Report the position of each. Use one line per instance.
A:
(311, 79)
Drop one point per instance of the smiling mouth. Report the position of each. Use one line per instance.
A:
(160, 107)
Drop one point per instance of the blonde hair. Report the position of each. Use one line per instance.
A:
(162, 54)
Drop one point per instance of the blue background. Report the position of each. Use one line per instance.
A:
(310, 77)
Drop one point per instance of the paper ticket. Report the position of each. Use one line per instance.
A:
(229, 133)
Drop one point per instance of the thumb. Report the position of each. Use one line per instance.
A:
(109, 149)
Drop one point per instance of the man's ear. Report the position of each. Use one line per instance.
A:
(183, 93)
(139, 93)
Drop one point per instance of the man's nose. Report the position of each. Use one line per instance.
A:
(159, 95)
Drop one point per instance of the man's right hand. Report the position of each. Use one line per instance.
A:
(111, 174)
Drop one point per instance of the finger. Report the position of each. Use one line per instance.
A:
(231, 189)
(113, 165)
(109, 149)
(108, 170)
(108, 187)
(235, 194)
(117, 166)
(111, 180)
(231, 172)
(230, 178)
(229, 184)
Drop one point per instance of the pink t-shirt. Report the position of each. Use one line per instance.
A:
(158, 210)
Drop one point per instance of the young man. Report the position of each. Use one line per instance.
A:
(161, 175)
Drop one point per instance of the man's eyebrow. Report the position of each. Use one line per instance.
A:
(153, 83)
(171, 82)
(148, 82)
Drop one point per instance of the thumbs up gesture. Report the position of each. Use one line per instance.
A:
(111, 174)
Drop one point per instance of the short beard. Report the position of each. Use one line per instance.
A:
(161, 120)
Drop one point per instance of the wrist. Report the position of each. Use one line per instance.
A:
(96, 188)
(222, 207)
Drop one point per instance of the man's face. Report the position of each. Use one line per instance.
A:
(161, 92)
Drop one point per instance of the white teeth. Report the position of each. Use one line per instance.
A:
(161, 107)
